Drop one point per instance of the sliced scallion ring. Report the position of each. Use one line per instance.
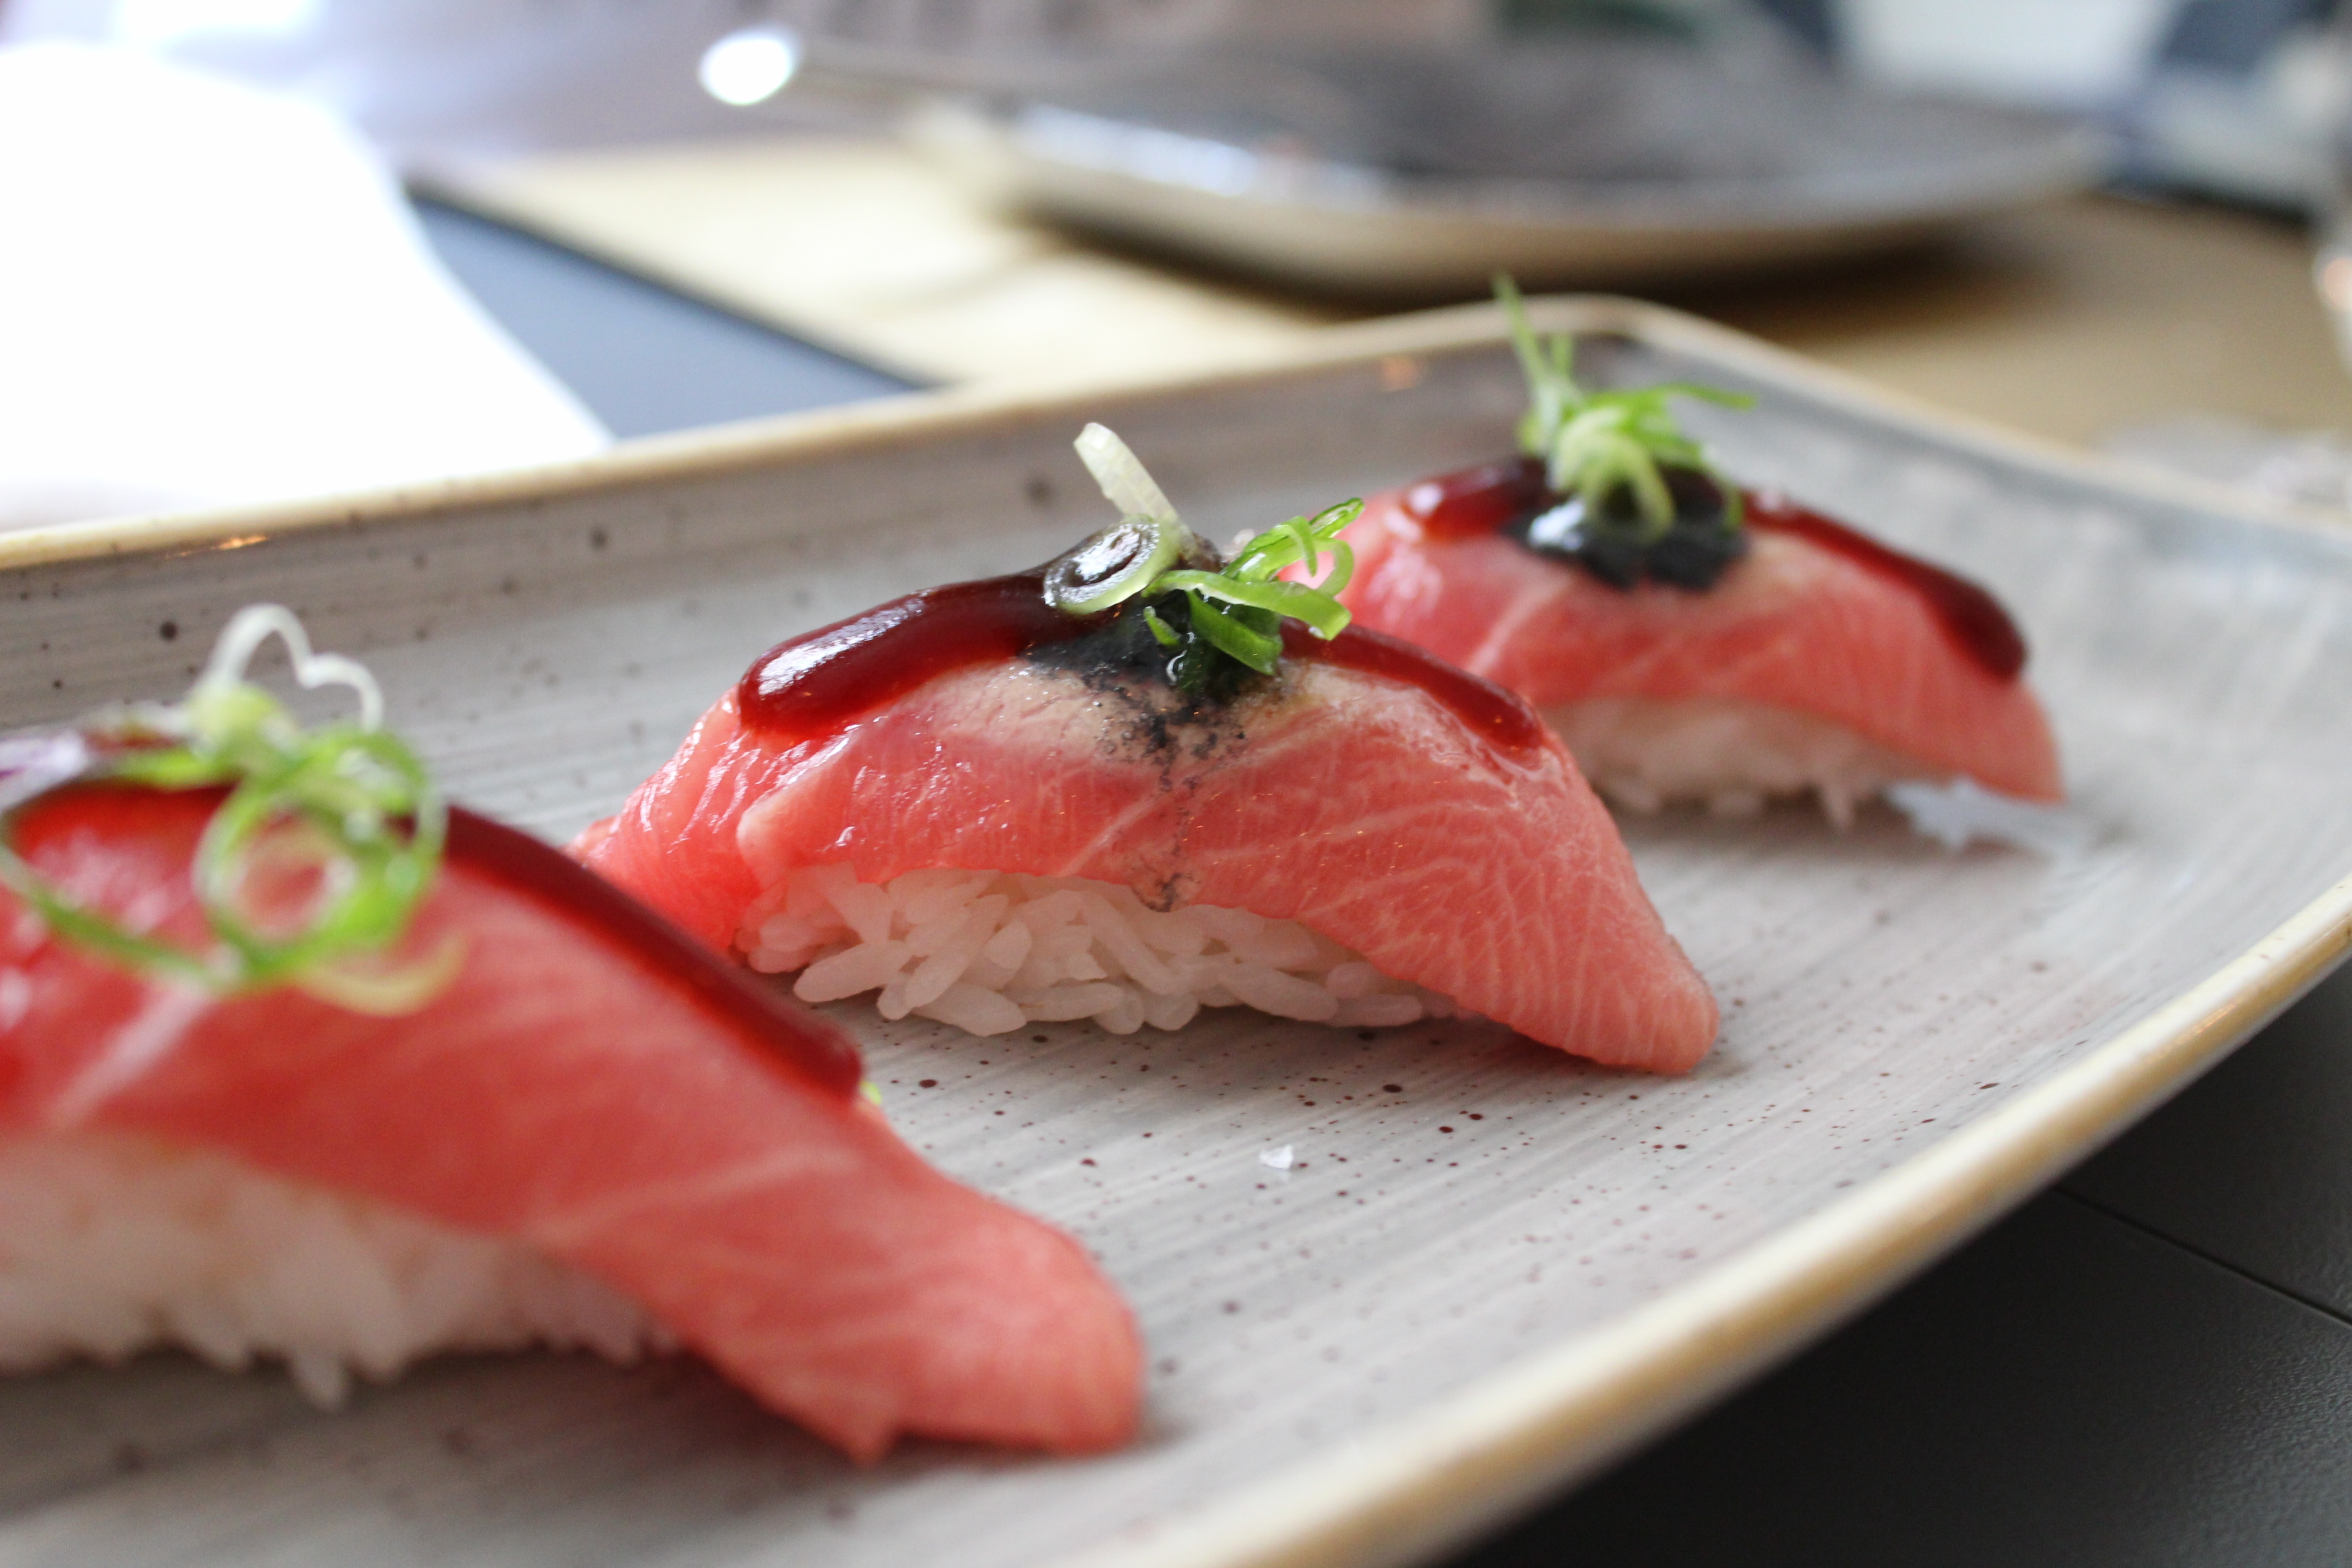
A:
(1114, 565)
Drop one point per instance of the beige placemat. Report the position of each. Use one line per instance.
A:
(2077, 319)
(2069, 320)
(867, 248)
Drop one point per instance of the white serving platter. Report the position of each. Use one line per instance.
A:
(1468, 1286)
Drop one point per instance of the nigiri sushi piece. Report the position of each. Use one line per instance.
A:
(1688, 640)
(1141, 780)
(295, 1063)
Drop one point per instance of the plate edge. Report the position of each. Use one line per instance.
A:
(1423, 1482)
(748, 445)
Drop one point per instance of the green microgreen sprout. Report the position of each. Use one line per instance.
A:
(1236, 609)
(1597, 445)
(346, 804)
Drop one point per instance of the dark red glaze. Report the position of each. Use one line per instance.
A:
(1468, 502)
(810, 686)
(1970, 617)
(1499, 715)
(805, 1041)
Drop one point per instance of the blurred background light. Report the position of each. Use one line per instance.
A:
(751, 66)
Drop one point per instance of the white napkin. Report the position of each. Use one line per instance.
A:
(209, 295)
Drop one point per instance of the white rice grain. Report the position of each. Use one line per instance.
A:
(112, 1245)
(989, 951)
(1731, 756)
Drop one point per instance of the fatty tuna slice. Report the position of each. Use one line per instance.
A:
(595, 1084)
(1794, 626)
(1357, 805)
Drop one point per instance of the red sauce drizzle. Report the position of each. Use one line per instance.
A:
(807, 1043)
(1469, 502)
(1970, 617)
(820, 1052)
(1501, 716)
(810, 686)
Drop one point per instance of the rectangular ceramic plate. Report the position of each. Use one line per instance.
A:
(1468, 1287)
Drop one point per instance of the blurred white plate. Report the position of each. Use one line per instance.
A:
(1605, 163)
(1487, 1267)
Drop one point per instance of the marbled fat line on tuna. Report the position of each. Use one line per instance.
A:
(131, 1051)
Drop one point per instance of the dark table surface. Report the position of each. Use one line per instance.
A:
(2150, 1364)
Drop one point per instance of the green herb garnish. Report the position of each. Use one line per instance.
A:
(1599, 446)
(345, 801)
(1194, 605)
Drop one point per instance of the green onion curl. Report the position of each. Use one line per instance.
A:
(346, 801)
(1596, 445)
(1235, 609)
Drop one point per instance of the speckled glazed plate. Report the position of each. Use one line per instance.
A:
(1488, 1268)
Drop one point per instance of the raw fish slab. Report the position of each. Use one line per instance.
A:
(1923, 1032)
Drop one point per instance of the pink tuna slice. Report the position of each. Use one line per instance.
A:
(599, 1086)
(1793, 626)
(1357, 805)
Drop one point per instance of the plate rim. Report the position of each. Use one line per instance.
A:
(1421, 1482)
(742, 446)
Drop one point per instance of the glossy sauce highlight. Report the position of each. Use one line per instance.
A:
(1469, 503)
(811, 686)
